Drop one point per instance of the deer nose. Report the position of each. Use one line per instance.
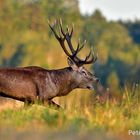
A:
(97, 80)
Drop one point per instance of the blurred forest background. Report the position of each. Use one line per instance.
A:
(25, 39)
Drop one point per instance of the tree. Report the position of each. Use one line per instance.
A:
(93, 27)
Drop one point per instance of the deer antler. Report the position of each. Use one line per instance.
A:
(66, 36)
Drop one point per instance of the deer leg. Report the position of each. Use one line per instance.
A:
(52, 103)
(49, 102)
(28, 103)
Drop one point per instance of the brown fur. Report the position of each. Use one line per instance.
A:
(35, 83)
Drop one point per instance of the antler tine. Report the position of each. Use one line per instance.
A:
(94, 57)
(78, 47)
(61, 29)
(60, 39)
(71, 33)
(88, 56)
(67, 36)
(89, 61)
(92, 60)
(86, 61)
(52, 28)
(68, 30)
(82, 46)
(68, 39)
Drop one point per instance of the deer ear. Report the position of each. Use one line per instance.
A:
(72, 64)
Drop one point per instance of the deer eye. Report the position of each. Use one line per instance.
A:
(84, 73)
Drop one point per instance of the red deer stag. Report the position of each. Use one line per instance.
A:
(32, 83)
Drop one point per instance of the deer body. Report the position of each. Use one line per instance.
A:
(32, 83)
(35, 83)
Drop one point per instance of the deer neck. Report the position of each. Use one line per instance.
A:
(65, 81)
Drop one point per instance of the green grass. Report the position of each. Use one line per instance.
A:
(110, 120)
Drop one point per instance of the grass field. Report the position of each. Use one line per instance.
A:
(111, 120)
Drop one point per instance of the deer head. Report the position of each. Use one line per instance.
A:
(81, 76)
